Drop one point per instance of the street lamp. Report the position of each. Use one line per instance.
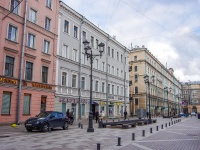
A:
(167, 90)
(91, 56)
(146, 80)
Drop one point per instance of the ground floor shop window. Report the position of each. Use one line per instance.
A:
(83, 109)
(6, 103)
(26, 106)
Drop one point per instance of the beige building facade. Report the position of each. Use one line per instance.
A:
(141, 63)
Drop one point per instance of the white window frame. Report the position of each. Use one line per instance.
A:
(16, 33)
(83, 87)
(17, 9)
(65, 78)
(45, 50)
(75, 34)
(75, 55)
(64, 52)
(31, 12)
(96, 86)
(33, 42)
(68, 27)
(75, 81)
(47, 25)
(49, 4)
(103, 87)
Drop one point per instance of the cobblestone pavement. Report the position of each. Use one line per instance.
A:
(184, 135)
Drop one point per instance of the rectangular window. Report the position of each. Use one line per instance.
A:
(66, 26)
(74, 55)
(135, 68)
(121, 58)
(46, 47)
(135, 58)
(49, 3)
(14, 6)
(113, 89)
(12, 33)
(47, 23)
(74, 81)
(117, 90)
(108, 51)
(83, 61)
(84, 35)
(125, 60)
(92, 41)
(6, 101)
(136, 78)
(117, 55)
(9, 66)
(64, 78)
(122, 91)
(118, 72)
(103, 87)
(31, 40)
(113, 53)
(27, 102)
(75, 32)
(108, 68)
(64, 51)
(97, 43)
(96, 86)
(82, 109)
(113, 70)
(108, 88)
(103, 66)
(83, 83)
(29, 71)
(33, 16)
(122, 74)
(97, 64)
(44, 74)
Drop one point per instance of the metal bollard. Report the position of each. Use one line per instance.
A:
(143, 132)
(166, 125)
(98, 146)
(81, 126)
(133, 136)
(156, 128)
(119, 141)
(151, 131)
(169, 123)
(100, 124)
(161, 126)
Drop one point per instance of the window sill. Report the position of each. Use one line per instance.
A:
(49, 8)
(31, 48)
(5, 114)
(66, 33)
(12, 41)
(26, 114)
(46, 54)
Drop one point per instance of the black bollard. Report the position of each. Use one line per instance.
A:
(100, 124)
(119, 141)
(166, 125)
(98, 146)
(81, 126)
(133, 136)
(143, 132)
(161, 126)
(156, 128)
(151, 131)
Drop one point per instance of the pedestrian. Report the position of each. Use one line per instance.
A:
(97, 115)
(125, 114)
(67, 113)
(147, 114)
(71, 117)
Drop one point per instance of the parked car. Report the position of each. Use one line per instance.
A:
(182, 114)
(193, 114)
(46, 120)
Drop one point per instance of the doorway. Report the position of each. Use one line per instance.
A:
(64, 108)
(74, 110)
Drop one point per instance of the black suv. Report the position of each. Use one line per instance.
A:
(46, 120)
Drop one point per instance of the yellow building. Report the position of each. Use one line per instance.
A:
(162, 99)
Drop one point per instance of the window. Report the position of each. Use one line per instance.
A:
(113, 70)
(121, 73)
(136, 90)
(47, 23)
(64, 51)
(64, 78)
(135, 58)
(117, 55)
(108, 68)
(12, 33)
(31, 40)
(118, 72)
(49, 3)
(113, 53)
(33, 16)
(84, 35)
(66, 26)
(83, 58)
(97, 43)
(96, 86)
(46, 47)
(108, 51)
(136, 101)
(82, 109)
(74, 55)
(97, 64)
(113, 88)
(135, 68)
(75, 31)
(125, 60)
(117, 90)
(44, 74)
(122, 91)
(103, 87)
(92, 41)
(9, 66)
(136, 78)
(26, 106)
(14, 6)
(73, 80)
(121, 58)
(83, 83)
(6, 101)
(108, 88)
(103, 66)
(29, 71)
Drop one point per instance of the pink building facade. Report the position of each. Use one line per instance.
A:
(27, 54)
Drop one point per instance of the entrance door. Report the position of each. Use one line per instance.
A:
(64, 108)
(74, 110)
(43, 104)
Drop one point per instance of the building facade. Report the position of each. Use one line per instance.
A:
(28, 37)
(110, 72)
(141, 63)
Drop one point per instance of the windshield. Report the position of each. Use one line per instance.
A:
(43, 114)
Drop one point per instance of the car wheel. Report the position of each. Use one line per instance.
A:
(45, 127)
(29, 130)
(65, 126)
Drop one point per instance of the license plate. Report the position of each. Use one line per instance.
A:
(28, 124)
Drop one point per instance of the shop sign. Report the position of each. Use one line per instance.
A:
(119, 103)
(38, 85)
(102, 103)
(7, 80)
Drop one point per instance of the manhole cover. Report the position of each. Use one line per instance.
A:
(4, 136)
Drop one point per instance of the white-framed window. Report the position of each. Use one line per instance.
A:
(44, 74)
(6, 102)
(103, 66)
(113, 70)
(108, 51)
(97, 64)
(92, 41)
(113, 53)
(14, 6)
(113, 89)
(108, 68)
(66, 26)
(46, 47)
(31, 40)
(75, 31)
(27, 102)
(97, 86)
(64, 78)
(74, 55)
(84, 36)
(108, 88)
(122, 91)
(122, 74)
(47, 23)
(117, 90)
(49, 3)
(125, 60)
(12, 33)
(121, 58)
(97, 43)
(83, 83)
(73, 80)
(64, 51)
(103, 87)
(29, 71)
(33, 15)
(83, 60)
(118, 72)
(117, 55)
(9, 66)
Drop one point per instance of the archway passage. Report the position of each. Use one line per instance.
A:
(194, 109)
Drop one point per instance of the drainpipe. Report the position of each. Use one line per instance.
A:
(21, 64)
(80, 69)
(107, 76)
(124, 81)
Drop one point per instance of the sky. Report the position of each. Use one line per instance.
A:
(169, 29)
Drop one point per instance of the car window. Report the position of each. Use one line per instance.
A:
(60, 115)
(54, 114)
(43, 114)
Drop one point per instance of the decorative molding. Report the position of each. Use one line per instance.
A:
(11, 50)
(46, 61)
(29, 55)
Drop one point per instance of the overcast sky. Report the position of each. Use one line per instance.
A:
(169, 29)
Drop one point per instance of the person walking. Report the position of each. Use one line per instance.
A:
(147, 114)
(97, 115)
(67, 113)
(71, 117)
(125, 114)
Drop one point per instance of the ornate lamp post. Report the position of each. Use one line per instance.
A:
(146, 80)
(167, 90)
(91, 56)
